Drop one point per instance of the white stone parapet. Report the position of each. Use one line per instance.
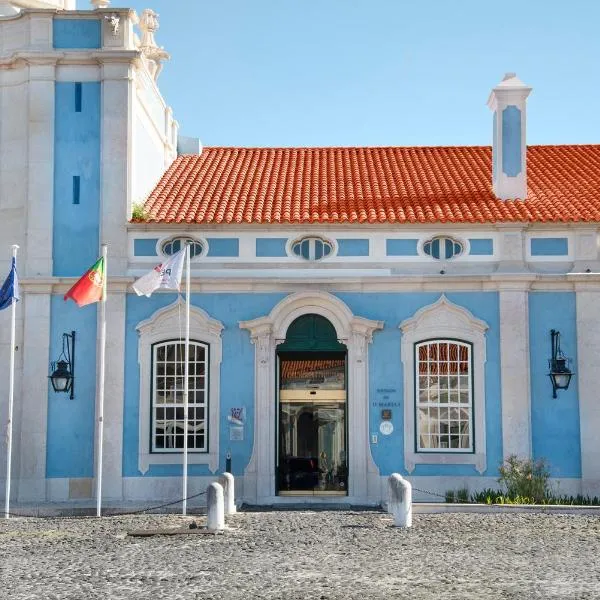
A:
(400, 500)
(227, 482)
(216, 508)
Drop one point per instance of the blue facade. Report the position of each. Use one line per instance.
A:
(76, 155)
(401, 247)
(353, 247)
(511, 141)
(145, 247)
(225, 247)
(555, 246)
(481, 247)
(70, 443)
(76, 33)
(270, 247)
(555, 422)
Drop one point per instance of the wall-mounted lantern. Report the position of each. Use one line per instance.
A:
(63, 370)
(560, 373)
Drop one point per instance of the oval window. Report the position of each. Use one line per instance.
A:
(174, 245)
(442, 248)
(312, 248)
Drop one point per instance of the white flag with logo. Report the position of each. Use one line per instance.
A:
(166, 276)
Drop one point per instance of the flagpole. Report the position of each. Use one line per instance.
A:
(11, 393)
(101, 371)
(186, 384)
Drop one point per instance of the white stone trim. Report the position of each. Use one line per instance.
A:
(160, 327)
(444, 319)
(269, 331)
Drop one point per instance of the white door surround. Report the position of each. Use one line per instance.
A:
(355, 333)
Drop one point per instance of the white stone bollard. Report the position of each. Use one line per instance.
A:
(400, 500)
(216, 508)
(228, 483)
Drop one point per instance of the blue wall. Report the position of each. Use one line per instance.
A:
(401, 247)
(237, 373)
(145, 246)
(481, 247)
(555, 422)
(549, 246)
(223, 247)
(511, 141)
(385, 374)
(75, 244)
(270, 247)
(76, 33)
(70, 442)
(384, 365)
(353, 247)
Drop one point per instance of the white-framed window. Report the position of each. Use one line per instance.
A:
(175, 244)
(443, 356)
(442, 247)
(168, 378)
(161, 362)
(444, 396)
(312, 248)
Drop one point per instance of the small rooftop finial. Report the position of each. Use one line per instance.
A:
(100, 3)
(152, 53)
(509, 76)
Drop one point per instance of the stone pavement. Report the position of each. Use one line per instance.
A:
(304, 555)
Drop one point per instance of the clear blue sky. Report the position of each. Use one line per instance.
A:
(376, 72)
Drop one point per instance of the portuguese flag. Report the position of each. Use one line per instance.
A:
(90, 287)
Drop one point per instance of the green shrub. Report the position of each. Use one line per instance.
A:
(525, 478)
(138, 212)
(462, 495)
(450, 496)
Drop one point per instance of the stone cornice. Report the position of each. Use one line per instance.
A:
(91, 57)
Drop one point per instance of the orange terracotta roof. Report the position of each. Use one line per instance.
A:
(373, 185)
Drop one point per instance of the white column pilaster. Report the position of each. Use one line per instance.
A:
(33, 401)
(587, 368)
(112, 484)
(514, 370)
(40, 185)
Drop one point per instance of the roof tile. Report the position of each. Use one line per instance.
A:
(374, 185)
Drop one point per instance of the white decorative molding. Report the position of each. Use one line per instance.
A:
(161, 326)
(153, 55)
(114, 21)
(444, 319)
(269, 331)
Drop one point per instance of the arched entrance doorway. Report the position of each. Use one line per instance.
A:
(312, 448)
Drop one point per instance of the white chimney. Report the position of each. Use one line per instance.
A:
(508, 101)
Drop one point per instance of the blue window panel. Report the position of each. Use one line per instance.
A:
(76, 33)
(511, 141)
(223, 247)
(481, 247)
(272, 247)
(348, 247)
(549, 246)
(78, 94)
(401, 247)
(145, 247)
(76, 188)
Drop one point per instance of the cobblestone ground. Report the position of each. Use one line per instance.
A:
(304, 555)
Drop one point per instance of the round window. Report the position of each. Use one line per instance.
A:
(442, 248)
(312, 248)
(174, 245)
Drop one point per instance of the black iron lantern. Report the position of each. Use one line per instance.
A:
(560, 373)
(63, 370)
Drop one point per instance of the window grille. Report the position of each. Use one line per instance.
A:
(312, 248)
(442, 248)
(174, 245)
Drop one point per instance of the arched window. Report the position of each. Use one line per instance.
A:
(168, 368)
(312, 248)
(444, 396)
(174, 245)
(442, 248)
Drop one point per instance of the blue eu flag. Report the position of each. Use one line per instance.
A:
(10, 288)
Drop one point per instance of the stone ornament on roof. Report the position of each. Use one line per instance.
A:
(153, 55)
(100, 3)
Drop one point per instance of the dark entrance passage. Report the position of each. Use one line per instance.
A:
(312, 453)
